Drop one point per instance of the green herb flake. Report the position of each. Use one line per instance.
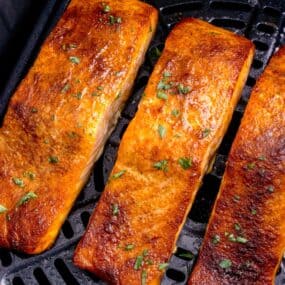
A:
(74, 59)
(119, 174)
(95, 94)
(100, 88)
(106, 8)
(240, 239)
(175, 112)
(185, 162)
(114, 20)
(162, 85)
(145, 252)
(188, 255)
(3, 209)
(161, 165)
(29, 174)
(216, 239)
(144, 277)
(253, 212)
(52, 117)
(138, 262)
(149, 262)
(18, 181)
(129, 247)
(262, 158)
(118, 95)
(270, 188)
(183, 89)
(166, 74)
(65, 88)
(237, 227)
(115, 209)
(34, 110)
(26, 198)
(225, 263)
(231, 238)
(206, 132)
(161, 95)
(53, 159)
(162, 266)
(236, 198)
(161, 131)
(77, 95)
(250, 166)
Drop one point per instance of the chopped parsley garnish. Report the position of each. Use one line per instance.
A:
(231, 237)
(162, 85)
(115, 209)
(166, 74)
(18, 181)
(3, 209)
(161, 131)
(119, 174)
(262, 158)
(250, 166)
(161, 95)
(53, 159)
(270, 188)
(236, 198)
(114, 20)
(161, 165)
(26, 198)
(253, 212)
(188, 255)
(77, 95)
(95, 94)
(237, 227)
(175, 112)
(183, 89)
(145, 252)
(74, 59)
(34, 110)
(216, 239)
(129, 247)
(225, 263)
(69, 46)
(106, 8)
(29, 174)
(72, 135)
(162, 266)
(65, 88)
(206, 133)
(100, 88)
(240, 239)
(119, 94)
(144, 277)
(138, 262)
(185, 162)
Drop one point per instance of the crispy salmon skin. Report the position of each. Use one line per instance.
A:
(245, 239)
(62, 113)
(184, 113)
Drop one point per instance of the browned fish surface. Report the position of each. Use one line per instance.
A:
(164, 154)
(62, 113)
(245, 238)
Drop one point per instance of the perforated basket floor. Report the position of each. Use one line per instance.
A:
(261, 21)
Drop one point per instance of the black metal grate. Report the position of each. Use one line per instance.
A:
(262, 22)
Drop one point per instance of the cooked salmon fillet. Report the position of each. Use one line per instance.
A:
(62, 113)
(245, 238)
(164, 154)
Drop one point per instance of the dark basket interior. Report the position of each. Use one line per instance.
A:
(261, 21)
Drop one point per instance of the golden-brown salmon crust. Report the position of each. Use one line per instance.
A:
(62, 112)
(165, 152)
(245, 238)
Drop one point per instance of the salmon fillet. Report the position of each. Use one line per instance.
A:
(245, 238)
(62, 113)
(166, 150)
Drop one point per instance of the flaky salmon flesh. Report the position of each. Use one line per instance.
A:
(62, 113)
(164, 154)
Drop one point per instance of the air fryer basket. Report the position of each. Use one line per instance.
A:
(261, 21)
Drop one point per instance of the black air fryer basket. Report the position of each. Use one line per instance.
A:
(23, 26)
